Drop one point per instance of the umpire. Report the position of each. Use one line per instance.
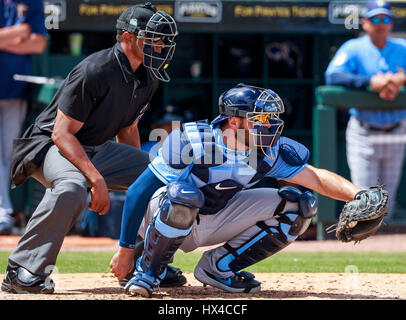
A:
(69, 148)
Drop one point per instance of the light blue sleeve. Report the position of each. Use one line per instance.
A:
(343, 60)
(343, 68)
(283, 171)
(166, 173)
(400, 41)
(174, 160)
(400, 51)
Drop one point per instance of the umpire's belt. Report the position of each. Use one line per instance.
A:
(381, 129)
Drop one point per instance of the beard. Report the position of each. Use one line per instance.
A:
(243, 136)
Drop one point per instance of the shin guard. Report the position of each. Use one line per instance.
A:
(170, 226)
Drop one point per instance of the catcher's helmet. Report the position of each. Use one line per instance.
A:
(157, 29)
(261, 107)
(236, 102)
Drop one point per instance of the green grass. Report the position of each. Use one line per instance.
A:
(74, 262)
(366, 262)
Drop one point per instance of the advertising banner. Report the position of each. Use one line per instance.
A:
(222, 16)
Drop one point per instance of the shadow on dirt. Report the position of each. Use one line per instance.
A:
(200, 292)
(208, 293)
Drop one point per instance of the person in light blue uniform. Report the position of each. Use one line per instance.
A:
(22, 33)
(377, 61)
(196, 193)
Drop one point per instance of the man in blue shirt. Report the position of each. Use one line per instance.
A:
(196, 193)
(377, 61)
(22, 33)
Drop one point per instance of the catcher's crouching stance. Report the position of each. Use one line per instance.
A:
(207, 199)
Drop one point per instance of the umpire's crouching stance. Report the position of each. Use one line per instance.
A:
(69, 148)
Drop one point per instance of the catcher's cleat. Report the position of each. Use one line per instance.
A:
(141, 284)
(240, 282)
(173, 278)
(20, 280)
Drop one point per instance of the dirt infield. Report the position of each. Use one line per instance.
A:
(278, 286)
(275, 286)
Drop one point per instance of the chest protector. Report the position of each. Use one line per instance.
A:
(218, 168)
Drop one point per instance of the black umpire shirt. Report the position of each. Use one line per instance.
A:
(102, 92)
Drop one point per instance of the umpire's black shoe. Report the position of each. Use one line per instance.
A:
(20, 280)
(173, 278)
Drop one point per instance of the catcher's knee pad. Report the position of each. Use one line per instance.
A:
(297, 222)
(182, 203)
(171, 224)
(270, 239)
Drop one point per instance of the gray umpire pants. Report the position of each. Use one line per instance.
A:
(235, 224)
(66, 197)
(374, 155)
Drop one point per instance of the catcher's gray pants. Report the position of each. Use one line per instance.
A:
(374, 155)
(235, 224)
(66, 197)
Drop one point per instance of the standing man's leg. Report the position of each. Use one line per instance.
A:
(362, 156)
(393, 156)
(12, 115)
(375, 157)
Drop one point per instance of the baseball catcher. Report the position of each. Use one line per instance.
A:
(198, 192)
(362, 217)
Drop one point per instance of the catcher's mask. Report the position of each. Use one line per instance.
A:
(267, 125)
(261, 107)
(158, 45)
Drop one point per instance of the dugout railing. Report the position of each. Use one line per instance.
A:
(328, 141)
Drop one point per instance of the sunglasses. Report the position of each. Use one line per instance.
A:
(378, 20)
(263, 118)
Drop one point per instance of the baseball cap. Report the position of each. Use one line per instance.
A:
(135, 18)
(375, 7)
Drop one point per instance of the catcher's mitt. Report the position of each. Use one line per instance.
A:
(362, 217)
